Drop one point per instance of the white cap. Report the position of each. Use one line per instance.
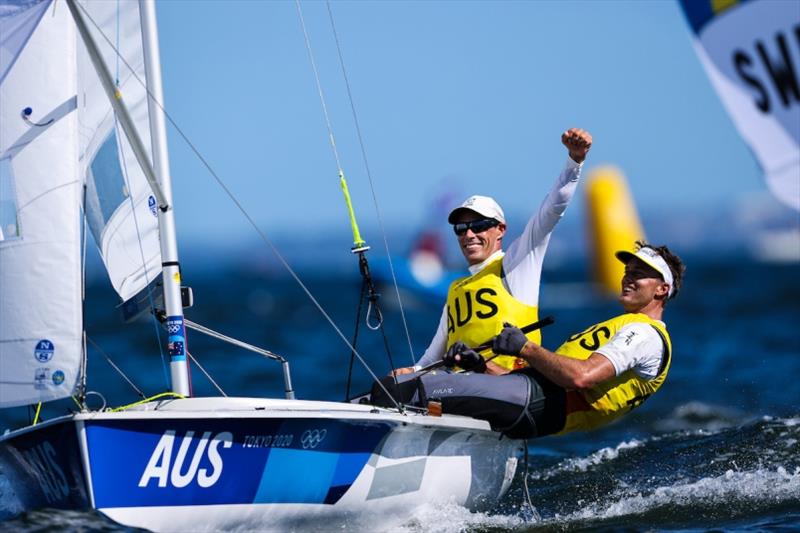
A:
(651, 258)
(483, 205)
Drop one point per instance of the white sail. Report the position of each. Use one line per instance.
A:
(40, 270)
(120, 205)
(751, 53)
(58, 133)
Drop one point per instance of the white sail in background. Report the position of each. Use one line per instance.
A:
(750, 50)
(57, 134)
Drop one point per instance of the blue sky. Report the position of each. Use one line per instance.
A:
(472, 93)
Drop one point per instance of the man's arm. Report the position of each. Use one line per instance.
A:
(568, 372)
(435, 350)
(524, 257)
(634, 347)
(563, 371)
(578, 143)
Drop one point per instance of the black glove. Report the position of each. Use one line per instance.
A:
(462, 355)
(510, 341)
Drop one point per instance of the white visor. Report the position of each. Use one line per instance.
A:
(652, 258)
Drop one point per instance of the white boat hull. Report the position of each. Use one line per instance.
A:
(212, 464)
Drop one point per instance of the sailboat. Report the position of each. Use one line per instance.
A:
(82, 147)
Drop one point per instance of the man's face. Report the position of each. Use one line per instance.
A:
(477, 247)
(641, 284)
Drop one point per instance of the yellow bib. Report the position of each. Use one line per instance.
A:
(478, 305)
(589, 408)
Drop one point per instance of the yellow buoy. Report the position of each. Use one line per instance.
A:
(613, 224)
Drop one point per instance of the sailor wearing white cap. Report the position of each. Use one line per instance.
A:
(610, 367)
(501, 287)
(593, 378)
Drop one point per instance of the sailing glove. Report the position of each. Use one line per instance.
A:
(465, 357)
(510, 341)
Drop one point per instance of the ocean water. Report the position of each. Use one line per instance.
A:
(718, 447)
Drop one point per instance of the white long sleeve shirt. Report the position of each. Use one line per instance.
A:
(522, 263)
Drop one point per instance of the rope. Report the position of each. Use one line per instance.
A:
(355, 340)
(358, 242)
(36, 416)
(146, 400)
(532, 513)
(239, 206)
(372, 297)
(369, 177)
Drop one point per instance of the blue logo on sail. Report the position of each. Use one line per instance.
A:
(44, 351)
(58, 377)
(151, 203)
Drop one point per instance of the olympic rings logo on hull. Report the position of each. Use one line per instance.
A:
(311, 438)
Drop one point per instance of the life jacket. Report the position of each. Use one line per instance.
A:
(478, 305)
(606, 401)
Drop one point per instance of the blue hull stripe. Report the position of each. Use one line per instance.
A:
(137, 463)
(297, 476)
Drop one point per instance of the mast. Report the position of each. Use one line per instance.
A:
(158, 177)
(171, 271)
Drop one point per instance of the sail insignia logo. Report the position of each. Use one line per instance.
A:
(44, 351)
(40, 376)
(58, 377)
(311, 438)
(151, 203)
(168, 467)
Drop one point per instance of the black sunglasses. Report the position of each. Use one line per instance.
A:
(477, 226)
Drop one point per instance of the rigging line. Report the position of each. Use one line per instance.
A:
(117, 60)
(371, 184)
(38, 412)
(319, 86)
(534, 514)
(141, 251)
(118, 369)
(206, 374)
(358, 243)
(239, 206)
(84, 353)
(355, 339)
